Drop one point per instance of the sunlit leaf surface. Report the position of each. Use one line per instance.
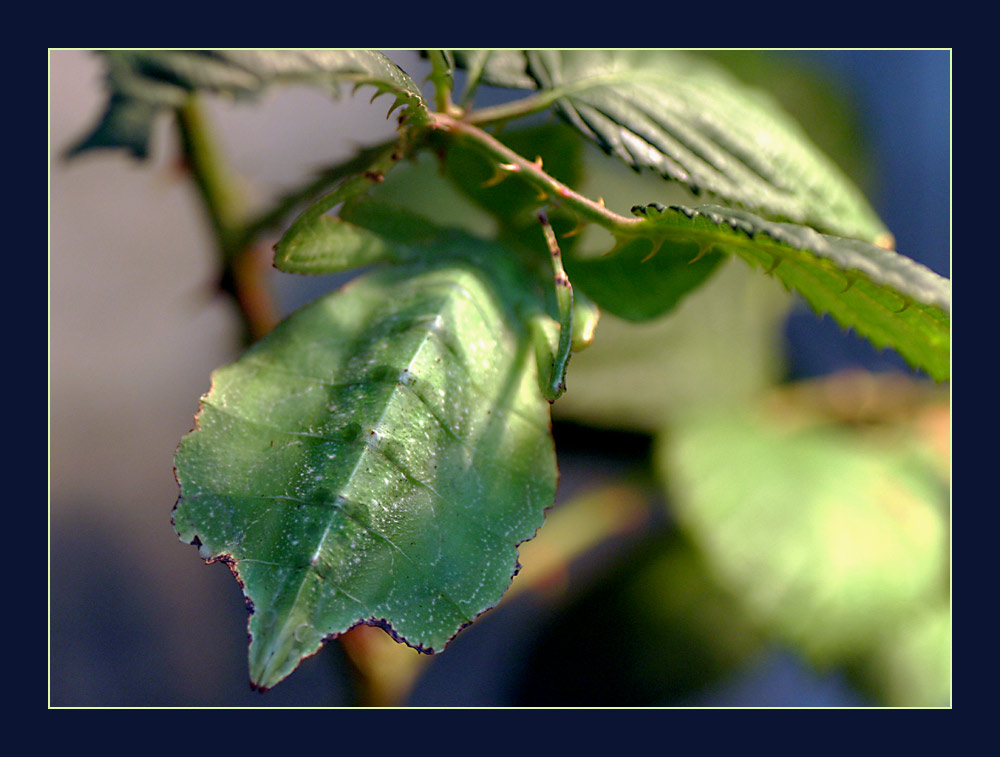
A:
(377, 459)
(886, 297)
(692, 122)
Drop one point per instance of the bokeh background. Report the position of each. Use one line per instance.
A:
(136, 618)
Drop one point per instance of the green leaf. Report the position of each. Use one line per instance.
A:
(376, 459)
(143, 83)
(828, 537)
(692, 122)
(912, 667)
(886, 297)
(317, 243)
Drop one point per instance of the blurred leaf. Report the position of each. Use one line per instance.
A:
(143, 83)
(691, 121)
(501, 68)
(827, 536)
(640, 376)
(912, 667)
(652, 631)
(376, 459)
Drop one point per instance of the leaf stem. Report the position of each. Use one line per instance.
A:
(526, 106)
(244, 269)
(564, 297)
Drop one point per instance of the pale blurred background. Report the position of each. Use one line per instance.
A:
(136, 618)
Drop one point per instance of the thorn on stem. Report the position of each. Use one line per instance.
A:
(702, 252)
(495, 179)
(580, 226)
(619, 244)
(656, 249)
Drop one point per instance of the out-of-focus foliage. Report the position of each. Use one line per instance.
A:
(831, 531)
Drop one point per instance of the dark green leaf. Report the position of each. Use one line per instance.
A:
(886, 297)
(692, 122)
(634, 286)
(143, 83)
(376, 459)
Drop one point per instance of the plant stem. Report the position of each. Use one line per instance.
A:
(560, 194)
(244, 268)
(441, 75)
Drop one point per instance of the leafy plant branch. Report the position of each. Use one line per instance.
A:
(380, 455)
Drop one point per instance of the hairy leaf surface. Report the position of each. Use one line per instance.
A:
(692, 122)
(886, 297)
(143, 83)
(376, 459)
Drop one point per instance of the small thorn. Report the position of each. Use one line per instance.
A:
(656, 249)
(600, 201)
(702, 252)
(497, 177)
(619, 244)
(580, 226)
(850, 283)
(906, 304)
(537, 163)
(775, 264)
